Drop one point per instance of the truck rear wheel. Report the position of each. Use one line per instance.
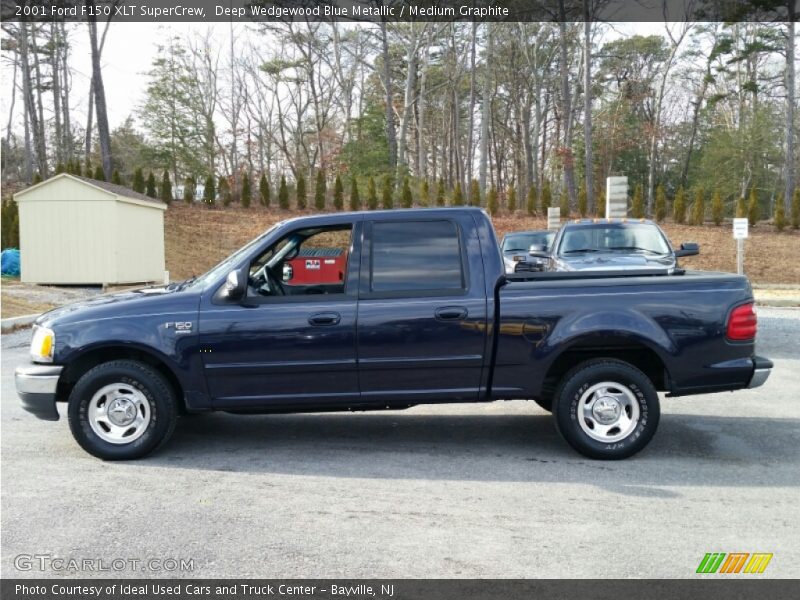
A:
(607, 409)
(121, 410)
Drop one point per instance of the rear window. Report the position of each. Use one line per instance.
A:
(416, 256)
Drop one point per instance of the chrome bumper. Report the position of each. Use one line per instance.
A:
(761, 371)
(36, 387)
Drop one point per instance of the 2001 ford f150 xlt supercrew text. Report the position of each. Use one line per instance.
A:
(413, 308)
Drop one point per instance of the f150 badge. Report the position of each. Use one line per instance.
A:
(180, 326)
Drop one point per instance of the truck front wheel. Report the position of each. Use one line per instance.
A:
(607, 409)
(121, 410)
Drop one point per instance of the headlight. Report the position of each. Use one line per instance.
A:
(43, 344)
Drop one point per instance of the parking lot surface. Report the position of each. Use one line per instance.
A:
(485, 490)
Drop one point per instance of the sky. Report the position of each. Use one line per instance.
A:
(128, 53)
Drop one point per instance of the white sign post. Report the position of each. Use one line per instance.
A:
(553, 218)
(740, 234)
(616, 197)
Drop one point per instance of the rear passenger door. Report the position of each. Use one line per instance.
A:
(421, 332)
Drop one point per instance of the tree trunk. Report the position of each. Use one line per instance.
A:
(471, 125)
(486, 109)
(408, 101)
(103, 132)
(790, 99)
(587, 104)
(65, 105)
(391, 134)
(55, 49)
(566, 108)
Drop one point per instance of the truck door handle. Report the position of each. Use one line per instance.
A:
(326, 318)
(451, 313)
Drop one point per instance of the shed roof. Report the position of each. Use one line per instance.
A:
(111, 188)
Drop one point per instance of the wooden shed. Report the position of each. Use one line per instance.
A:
(75, 230)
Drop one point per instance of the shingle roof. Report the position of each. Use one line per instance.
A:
(120, 190)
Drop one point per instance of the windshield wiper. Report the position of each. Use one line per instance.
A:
(634, 248)
(186, 282)
(515, 249)
(581, 250)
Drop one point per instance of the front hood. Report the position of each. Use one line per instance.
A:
(603, 261)
(128, 303)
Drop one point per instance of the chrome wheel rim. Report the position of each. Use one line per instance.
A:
(608, 412)
(119, 413)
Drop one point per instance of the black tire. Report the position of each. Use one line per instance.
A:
(155, 389)
(634, 385)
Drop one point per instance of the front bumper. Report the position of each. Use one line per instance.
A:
(36, 387)
(763, 367)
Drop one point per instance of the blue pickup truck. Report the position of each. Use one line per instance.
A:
(415, 308)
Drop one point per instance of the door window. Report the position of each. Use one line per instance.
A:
(416, 256)
(307, 262)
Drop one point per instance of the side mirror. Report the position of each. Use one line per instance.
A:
(688, 249)
(539, 251)
(236, 284)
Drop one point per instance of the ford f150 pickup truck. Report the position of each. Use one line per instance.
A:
(423, 313)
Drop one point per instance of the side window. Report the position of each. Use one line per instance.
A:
(412, 256)
(306, 262)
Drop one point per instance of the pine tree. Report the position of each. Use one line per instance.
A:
(338, 194)
(741, 208)
(563, 204)
(512, 199)
(263, 190)
(458, 197)
(225, 191)
(717, 208)
(752, 208)
(246, 196)
(283, 194)
(679, 206)
(779, 219)
(425, 194)
(474, 193)
(386, 193)
(661, 203)
(699, 207)
(60, 168)
(138, 181)
(530, 205)
(88, 170)
(637, 203)
(440, 193)
(166, 188)
(355, 200)
(319, 191)
(372, 195)
(116, 178)
(188, 190)
(406, 200)
(302, 200)
(582, 209)
(150, 190)
(796, 208)
(209, 193)
(99, 175)
(547, 197)
(600, 205)
(491, 201)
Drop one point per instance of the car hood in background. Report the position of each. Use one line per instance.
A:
(607, 261)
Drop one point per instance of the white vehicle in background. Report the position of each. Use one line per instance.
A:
(516, 247)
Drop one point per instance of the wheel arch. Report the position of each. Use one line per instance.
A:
(96, 355)
(631, 349)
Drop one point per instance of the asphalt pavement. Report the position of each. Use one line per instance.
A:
(483, 491)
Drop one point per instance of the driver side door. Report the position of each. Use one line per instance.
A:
(291, 349)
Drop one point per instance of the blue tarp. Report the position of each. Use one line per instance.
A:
(9, 262)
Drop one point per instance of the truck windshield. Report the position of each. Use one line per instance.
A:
(635, 238)
(521, 242)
